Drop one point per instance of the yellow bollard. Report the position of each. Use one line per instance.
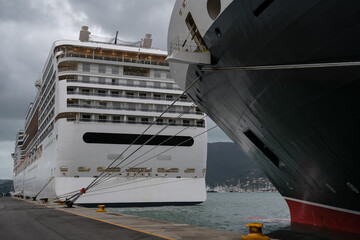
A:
(255, 232)
(61, 202)
(101, 208)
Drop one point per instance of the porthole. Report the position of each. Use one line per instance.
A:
(352, 187)
(213, 8)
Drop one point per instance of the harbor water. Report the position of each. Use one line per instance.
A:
(224, 211)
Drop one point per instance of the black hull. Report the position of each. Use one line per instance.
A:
(300, 125)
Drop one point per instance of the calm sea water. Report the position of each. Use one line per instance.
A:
(224, 211)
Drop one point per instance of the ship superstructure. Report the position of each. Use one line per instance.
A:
(281, 78)
(94, 101)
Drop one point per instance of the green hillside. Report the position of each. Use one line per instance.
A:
(226, 164)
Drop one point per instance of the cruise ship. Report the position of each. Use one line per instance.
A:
(281, 79)
(98, 103)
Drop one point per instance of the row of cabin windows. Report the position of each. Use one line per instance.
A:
(105, 118)
(104, 92)
(129, 82)
(137, 71)
(132, 106)
(135, 171)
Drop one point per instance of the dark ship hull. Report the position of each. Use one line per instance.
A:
(298, 118)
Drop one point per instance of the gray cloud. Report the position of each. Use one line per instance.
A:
(133, 19)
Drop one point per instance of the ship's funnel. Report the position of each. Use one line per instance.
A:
(84, 34)
(147, 41)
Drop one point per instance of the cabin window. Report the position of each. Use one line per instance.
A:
(136, 71)
(86, 117)
(131, 119)
(116, 105)
(159, 121)
(186, 122)
(168, 75)
(131, 106)
(130, 94)
(142, 84)
(86, 67)
(70, 90)
(116, 119)
(159, 108)
(86, 79)
(102, 80)
(157, 74)
(85, 91)
(102, 118)
(102, 69)
(102, 104)
(130, 82)
(157, 85)
(200, 123)
(114, 81)
(115, 70)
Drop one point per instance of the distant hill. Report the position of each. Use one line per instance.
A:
(226, 164)
(6, 185)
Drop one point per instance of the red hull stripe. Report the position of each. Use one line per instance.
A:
(323, 216)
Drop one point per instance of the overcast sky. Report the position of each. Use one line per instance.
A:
(29, 27)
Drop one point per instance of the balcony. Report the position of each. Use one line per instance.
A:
(129, 109)
(125, 96)
(63, 69)
(133, 122)
(113, 58)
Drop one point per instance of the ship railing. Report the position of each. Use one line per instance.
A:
(125, 96)
(183, 44)
(44, 115)
(35, 141)
(139, 74)
(49, 87)
(114, 59)
(121, 84)
(63, 69)
(69, 105)
(47, 94)
(134, 122)
(46, 132)
(48, 118)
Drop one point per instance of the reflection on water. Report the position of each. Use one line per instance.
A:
(224, 211)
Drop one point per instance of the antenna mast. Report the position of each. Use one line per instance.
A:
(116, 37)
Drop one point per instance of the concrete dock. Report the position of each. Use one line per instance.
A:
(26, 219)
